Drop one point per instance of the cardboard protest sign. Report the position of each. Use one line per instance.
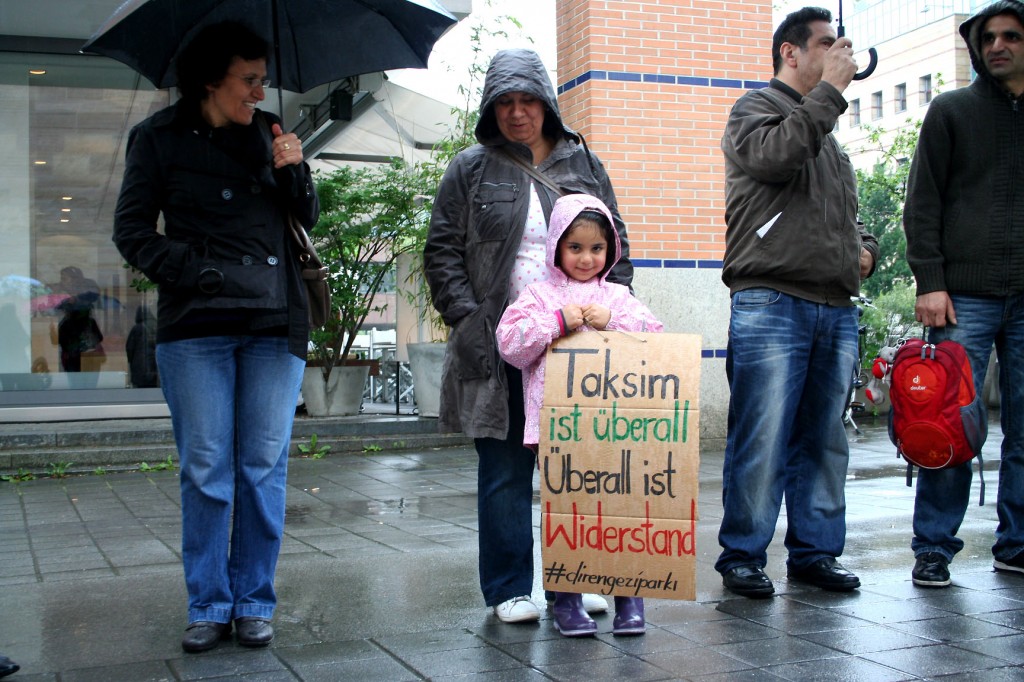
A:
(619, 453)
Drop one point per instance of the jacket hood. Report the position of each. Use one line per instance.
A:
(518, 70)
(970, 30)
(565, 211)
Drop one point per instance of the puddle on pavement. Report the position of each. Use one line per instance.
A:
(402, 505)
(409, 507)
(296, 512)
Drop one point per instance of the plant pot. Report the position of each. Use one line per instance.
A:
(340, 396)
(426, 362)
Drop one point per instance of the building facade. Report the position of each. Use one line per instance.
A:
(73, 319)
(649, 84)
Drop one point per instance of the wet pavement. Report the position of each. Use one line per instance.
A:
(377, 581)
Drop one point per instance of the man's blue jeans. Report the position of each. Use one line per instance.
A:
(943, 495)
(789, 364)
(232, 402)
(505, 505)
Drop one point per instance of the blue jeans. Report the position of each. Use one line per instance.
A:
(505, 505)
(943, 495)
(232, 402)
(789, 365)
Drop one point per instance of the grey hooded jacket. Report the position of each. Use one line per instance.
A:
(964, 214)
(475, 232)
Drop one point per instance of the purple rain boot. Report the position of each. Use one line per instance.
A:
(570, 617)
(629, 616)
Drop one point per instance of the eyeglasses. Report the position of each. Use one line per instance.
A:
(252, 81)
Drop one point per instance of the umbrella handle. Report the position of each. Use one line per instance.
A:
(870, 68)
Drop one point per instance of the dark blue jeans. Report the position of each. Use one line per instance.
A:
(789, 365)
(943, 495)
(505, 505)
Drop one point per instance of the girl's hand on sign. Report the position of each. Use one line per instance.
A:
(596, 315)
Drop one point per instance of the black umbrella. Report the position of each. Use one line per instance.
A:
(314, 41)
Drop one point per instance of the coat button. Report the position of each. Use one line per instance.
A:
(271, 260)
(246, 260)
(226, 194)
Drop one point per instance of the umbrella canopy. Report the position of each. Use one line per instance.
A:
(313, 41)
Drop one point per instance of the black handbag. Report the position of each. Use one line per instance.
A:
(314, 275)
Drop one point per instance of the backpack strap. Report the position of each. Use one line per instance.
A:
(981, 477)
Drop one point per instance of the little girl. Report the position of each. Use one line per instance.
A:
(582, 247)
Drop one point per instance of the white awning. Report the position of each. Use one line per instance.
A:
(393, 122)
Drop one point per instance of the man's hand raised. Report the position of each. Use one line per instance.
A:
(840, 66)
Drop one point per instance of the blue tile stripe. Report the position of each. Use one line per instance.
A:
(669, 263)
(713, 353)
(667, 79)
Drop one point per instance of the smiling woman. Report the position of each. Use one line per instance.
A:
(232, 325)
(234, 98)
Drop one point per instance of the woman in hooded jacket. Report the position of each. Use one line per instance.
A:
(486, 243)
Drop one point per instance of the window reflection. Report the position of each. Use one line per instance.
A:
(68, 310)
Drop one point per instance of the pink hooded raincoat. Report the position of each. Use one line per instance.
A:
(530, 323)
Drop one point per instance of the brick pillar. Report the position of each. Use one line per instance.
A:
(650, 84)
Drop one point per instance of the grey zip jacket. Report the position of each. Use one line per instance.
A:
(791, 197)
(476, 228)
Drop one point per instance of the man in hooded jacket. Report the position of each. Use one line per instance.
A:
(485, 244)
(964, 220)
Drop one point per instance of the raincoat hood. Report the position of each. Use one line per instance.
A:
(565, 211)
(970, 30)
(518, 70)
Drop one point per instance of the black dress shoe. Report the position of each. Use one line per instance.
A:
(203, 635)
(748, 581)
(7, 666)
(254, 632)
(826, 573)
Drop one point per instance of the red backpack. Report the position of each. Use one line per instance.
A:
(937, 420)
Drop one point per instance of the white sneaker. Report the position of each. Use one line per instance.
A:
(517, 610)
(592, 603)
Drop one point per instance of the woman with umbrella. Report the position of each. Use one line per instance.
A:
(232, 317)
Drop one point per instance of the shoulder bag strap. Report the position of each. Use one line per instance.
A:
(531, 171)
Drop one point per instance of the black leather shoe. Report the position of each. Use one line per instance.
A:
(7, 666)
(203, 635)
(748, 581)
(826, 573)
(254, 632)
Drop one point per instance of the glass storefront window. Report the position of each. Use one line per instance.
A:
(70, 318)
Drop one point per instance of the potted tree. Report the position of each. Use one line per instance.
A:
(369, 217)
